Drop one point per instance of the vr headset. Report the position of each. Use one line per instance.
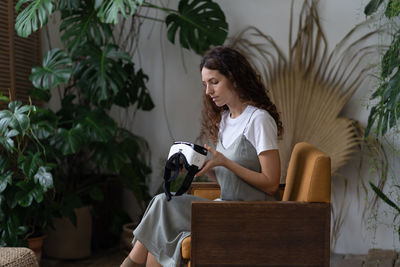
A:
(183, 154)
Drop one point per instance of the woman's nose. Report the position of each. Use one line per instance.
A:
(209, 90)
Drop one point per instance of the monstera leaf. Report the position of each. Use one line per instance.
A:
(69, 141)
(109, 155)
(101, 73)
(135, 90)
(109, 10)
(98, 126)
(68, 5)
(82, 26)
(56, 68)
(201, 23)
(33, 16)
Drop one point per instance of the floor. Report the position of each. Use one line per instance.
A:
(114, 257)
(107, 258)
(374, 258)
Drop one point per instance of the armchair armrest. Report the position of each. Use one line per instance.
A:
(260, 234)
(209, 190)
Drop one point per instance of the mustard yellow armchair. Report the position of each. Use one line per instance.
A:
(291, 232)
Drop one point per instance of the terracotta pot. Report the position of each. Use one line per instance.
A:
(68, 241)
(36, 244)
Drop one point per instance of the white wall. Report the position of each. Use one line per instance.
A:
(177, 96)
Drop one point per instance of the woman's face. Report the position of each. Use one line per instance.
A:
(218, 87)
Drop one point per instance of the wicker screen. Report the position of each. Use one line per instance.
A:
(17, 55)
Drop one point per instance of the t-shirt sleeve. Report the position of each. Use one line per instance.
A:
(262, 132)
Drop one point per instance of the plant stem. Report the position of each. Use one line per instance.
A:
(150, 18)
(150, 5)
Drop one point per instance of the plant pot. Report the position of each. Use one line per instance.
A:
(67, 241)
(127, 236)
(36, 244)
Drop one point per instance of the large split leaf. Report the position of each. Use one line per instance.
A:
(69, 141)
(109, 10)
(109, 155)
(33, 17)
(101, 73)
(135, 90)
(201, 23)
(83, 26)
(56, 68)
(98, 126)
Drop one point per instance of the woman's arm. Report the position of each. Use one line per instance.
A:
(267, 180)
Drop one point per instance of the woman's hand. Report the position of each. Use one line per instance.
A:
(217, 159)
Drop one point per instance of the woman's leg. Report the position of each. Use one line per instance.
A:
(152, 261)
(137, 256)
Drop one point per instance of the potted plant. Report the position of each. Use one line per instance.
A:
(26, 181)
(90, 148)
(384, 115)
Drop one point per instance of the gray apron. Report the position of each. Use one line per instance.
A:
(165, 224)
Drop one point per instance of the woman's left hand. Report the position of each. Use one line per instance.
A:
(217, 159)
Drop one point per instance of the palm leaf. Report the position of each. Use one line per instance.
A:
(311, 86)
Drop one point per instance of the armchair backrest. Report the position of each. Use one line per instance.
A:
(309, 175)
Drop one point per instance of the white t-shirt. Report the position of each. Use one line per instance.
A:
(256, 124)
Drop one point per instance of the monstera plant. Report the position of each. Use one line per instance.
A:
(93, 73)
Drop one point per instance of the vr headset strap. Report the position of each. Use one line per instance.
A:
(173, 165)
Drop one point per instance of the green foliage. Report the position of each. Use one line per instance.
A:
(80, 25)
(108, 10)
(200, 23)
(372, 7)
(385, 113)
(93, 74)
(56, 69)
(25, 175)
(101, 73)
(33, 17)
(388, 201)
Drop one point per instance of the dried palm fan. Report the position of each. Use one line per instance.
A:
(311, 86)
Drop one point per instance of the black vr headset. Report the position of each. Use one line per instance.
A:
(183, 154)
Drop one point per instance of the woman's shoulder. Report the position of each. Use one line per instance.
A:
(260, 115)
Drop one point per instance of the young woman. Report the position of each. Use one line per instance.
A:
(244, 124)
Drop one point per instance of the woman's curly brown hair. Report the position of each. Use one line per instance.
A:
(248, 86)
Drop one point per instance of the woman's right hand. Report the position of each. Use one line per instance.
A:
(217, 159)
